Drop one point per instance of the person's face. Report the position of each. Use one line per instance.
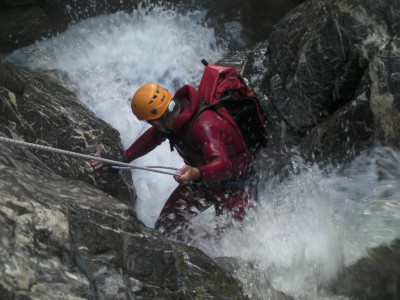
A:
(165, 122)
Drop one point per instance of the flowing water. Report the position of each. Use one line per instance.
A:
(303, 230)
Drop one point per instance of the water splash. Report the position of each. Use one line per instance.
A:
(306, 229)
(289, 242)
(367, 200)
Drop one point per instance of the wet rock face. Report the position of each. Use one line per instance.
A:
(38, 109)
(243, 23)
(61, 231)
(331, 78)
(374, 277)
(25, 21)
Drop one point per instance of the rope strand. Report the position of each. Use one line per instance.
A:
(85, 156)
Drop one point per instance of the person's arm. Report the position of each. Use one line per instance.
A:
(149, 140)
(143, 145)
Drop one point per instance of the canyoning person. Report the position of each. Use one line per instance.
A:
(216, 173)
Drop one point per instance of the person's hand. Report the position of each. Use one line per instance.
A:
(188, 174)
(96, 165)
(103, 166)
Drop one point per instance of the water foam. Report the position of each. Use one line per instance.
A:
(305, 229)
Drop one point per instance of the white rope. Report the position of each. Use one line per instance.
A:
(150, 167)
(83, 156)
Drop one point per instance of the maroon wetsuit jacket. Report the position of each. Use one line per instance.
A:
(219, 153)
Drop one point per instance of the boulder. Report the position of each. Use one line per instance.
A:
(329, 79)
(42, 108)
(376, 276)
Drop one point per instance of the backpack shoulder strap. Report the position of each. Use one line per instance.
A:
(188, 126)
(203, 107)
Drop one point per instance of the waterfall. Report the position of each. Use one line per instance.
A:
(302, 231)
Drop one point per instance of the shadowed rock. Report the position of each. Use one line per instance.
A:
(240, 22)
(329, 79)
(40, 109)
(376, 276)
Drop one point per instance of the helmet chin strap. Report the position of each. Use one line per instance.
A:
(165, 127)
(174, 109)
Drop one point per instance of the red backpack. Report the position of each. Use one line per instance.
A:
(224, 90)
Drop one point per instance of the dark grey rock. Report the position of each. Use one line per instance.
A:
(330, 79)
(376, 276)
(38, 108)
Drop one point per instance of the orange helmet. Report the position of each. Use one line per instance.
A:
(150, 101)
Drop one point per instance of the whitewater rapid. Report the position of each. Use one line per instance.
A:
(303, 230)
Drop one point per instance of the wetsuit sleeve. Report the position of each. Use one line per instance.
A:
(149, 140)
(210, 139)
